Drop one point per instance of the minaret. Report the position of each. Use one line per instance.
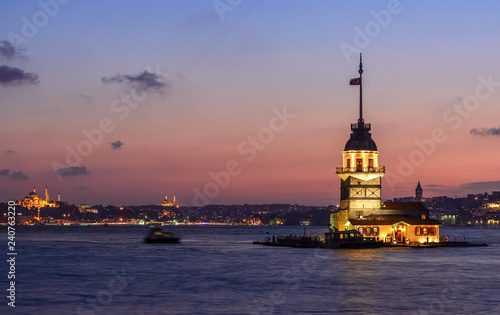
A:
(360, 173)
(59, 197)
(46, 194)
(419, 192)
(34, 189)
(174, 199)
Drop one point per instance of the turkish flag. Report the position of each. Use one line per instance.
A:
(356, 81)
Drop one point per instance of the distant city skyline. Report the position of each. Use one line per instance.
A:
(122, 102)
(167, 202)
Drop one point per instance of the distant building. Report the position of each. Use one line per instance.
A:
(83, 208)
(167, 203)
(361, 206)
(32, 200)
(419, 193)
(495, 195)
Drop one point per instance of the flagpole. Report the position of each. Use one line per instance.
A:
(360, 89)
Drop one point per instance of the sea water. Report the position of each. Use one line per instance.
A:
(217, 270)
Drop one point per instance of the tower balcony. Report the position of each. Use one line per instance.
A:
(362, 173)
(361, 125)
(359, 169)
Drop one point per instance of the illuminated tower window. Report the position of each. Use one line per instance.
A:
(359, 165)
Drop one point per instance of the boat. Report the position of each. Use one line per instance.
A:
(349, 239)
(157, 235)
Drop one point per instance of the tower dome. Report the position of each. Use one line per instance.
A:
(361, 138)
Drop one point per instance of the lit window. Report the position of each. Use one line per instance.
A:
(417, 231)
(432, 231)
(361, 230)
(359, 165)
(368, 231)
(426, 231)
(375, 231)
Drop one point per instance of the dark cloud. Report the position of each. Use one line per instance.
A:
(485, 132)
(14, 176)
(144, 81)
(466, 188)
(10, 151)
(8, 51)
(116, 145)
(18, 176)
(15, 76)
(85, 98)
(437, 188)
(5, 172)
(73, 171)
(482, 186)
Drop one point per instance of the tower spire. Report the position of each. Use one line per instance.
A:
(360, 89)
(419, 192)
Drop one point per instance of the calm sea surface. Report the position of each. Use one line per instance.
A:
(217, 270)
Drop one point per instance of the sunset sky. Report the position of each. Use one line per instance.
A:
(201, 77)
